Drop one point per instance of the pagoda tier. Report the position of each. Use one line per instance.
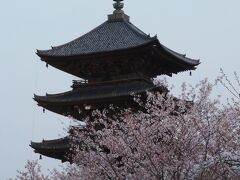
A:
(85, 97)
(57, 149)
(115, 50)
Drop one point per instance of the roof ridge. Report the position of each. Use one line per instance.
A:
(136, 30)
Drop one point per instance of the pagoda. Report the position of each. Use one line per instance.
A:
(113, 61)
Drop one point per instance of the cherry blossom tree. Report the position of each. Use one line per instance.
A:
(189, 137)
(233, 86)
(32, 171)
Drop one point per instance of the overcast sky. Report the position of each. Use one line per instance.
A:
(205, 29)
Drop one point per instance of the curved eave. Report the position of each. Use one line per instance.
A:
(61, 143)
(38, 147)
(180, 58)
(57, 149)
(60, 149)
(45, 56)
(100, 92)
(183, 63)
(64, 99)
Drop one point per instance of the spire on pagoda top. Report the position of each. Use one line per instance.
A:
(118, 6)
(118, 13)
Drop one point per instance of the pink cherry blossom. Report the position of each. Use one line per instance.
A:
(189, 137)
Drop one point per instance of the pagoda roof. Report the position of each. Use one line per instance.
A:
(116, 41)
(109, 36)
(57, 148)
(91, 93)
(79, 102)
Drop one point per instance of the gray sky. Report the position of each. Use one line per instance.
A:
(206, 29)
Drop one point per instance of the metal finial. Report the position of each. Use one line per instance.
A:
(118, 6)
(118, 13)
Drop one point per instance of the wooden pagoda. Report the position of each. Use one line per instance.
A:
(114, 61)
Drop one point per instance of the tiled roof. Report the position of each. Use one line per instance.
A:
(109, 36)
(62, 143)
(94, 93)
(57, 149)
